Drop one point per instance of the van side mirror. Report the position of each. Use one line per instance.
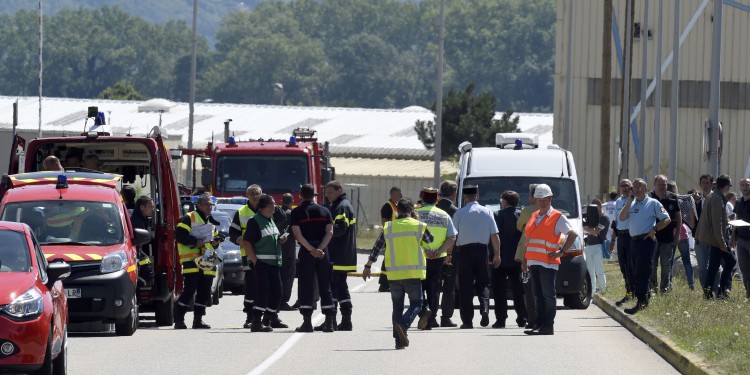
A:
(206, 177)
(57, 271)
(141, 237)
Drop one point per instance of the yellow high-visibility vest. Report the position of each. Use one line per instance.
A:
(404, 257)
(437, 222)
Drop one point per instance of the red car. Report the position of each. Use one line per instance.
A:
(33, 306)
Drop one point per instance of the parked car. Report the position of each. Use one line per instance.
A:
(33, 305)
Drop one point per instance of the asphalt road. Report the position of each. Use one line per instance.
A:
(585, 342)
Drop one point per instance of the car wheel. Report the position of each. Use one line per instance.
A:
(46, 368)
(60, 364)
(130, 324)
(582, 299)
(164, 311)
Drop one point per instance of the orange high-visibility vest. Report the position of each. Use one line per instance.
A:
(541, 238)
(394, 212)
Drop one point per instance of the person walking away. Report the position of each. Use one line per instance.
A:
(622, 236)
(666, 239)
(312, 226)
(528, 287)
(263, 248)
(476, 227)
(543, 234)
(438, 254)
(403, 240)
(711, 229)
(288, 255)
(388, 213)
(645, 216)
(448, 303)
(741, 234)
(195, 237)
(342, 251)
(594, 240)
(509, 271)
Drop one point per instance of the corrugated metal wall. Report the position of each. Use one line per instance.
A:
(695, 65)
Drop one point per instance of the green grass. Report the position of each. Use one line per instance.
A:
(366, 238)
(716, 331)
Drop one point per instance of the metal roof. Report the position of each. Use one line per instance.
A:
(388, 167)
(350, 127)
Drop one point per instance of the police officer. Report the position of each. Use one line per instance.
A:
(312, 226)
(236, 235)
(197, 281)
(476, 227)
(342, 251)
(288, 256)
(622, 236)
(509, 271)
(543, 234)
(263, 245)
(438, 253)
(448, 190)
(142, 213)
(403, 240)
(645, 216)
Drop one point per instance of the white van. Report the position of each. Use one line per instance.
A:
(514, 164)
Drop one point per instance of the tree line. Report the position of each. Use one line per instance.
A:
(363, 53)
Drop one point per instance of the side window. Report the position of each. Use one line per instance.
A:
(41, 261)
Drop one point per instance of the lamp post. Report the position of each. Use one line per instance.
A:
(191, 104)
(280, 88)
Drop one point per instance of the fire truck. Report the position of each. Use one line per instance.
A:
(278, 166)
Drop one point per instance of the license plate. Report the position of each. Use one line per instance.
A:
(73, 292)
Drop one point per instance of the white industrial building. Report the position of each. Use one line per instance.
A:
(694, 73)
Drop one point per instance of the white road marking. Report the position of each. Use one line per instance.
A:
(289, 343)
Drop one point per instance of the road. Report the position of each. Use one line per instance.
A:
(585, 342)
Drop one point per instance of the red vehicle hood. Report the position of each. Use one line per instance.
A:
(13, 284)
(78, 253)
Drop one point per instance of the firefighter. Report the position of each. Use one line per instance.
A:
(195, 236)
(236, 234)
(438, 253)
(263, 246)
(312, 226)
(342, 251)
(142, 213)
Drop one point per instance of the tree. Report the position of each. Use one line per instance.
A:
(122, 90)
(467, 117)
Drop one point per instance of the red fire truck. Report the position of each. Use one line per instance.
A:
(278, 166)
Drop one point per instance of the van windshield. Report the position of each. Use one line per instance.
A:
(69, 222)
(275, 173)
(490, 188)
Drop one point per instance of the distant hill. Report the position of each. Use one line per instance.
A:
(210, 12)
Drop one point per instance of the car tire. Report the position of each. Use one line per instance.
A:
(130, 324)
(60, 364)
(164, 312)
(582, 299)
(46, 368)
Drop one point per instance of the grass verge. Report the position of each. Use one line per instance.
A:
(717, 331)
(366, 238)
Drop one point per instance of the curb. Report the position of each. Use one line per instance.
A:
(685, 363)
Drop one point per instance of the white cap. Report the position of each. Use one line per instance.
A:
(542, 191)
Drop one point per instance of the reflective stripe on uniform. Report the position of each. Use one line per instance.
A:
(344, 268)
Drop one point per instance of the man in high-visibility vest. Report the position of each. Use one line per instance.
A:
(438, 253)
(197, 281)
(388, 213)
(403, 240)
(543, 233)
(342, 250)
(263, 246)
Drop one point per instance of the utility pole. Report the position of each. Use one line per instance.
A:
(568, 78)
(627, 70)
(714, 165)
(191, 104)
(439, 101)
(657, 99)
(675, 94)
(604, 144)
(41, 63)
(644, 98)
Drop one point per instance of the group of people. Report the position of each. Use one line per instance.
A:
(73, 160)
(648, 228)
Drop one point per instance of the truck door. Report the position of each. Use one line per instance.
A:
(169, 208)
(16, 161)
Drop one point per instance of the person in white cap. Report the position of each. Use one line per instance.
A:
(543, 233)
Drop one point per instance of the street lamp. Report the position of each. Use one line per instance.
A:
(280, 88)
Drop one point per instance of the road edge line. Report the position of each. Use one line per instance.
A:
(682, 361)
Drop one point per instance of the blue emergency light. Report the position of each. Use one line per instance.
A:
(292, 141)
(232, 142)
(62, 182)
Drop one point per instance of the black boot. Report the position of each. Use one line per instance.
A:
(198, 323)
(306, 324)
(638, 307)
(257, 325)
(248, 321)
(346, 323)
(272, 320)
(329, 325)
(179, 316)
(322, 326)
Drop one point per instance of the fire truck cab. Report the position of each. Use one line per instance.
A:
(143, 163)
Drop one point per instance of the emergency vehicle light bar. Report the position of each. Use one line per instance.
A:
(505, 139)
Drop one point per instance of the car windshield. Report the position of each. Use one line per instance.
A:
(279, 173)
(565, 198)
(64, 222)
(14, 252)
